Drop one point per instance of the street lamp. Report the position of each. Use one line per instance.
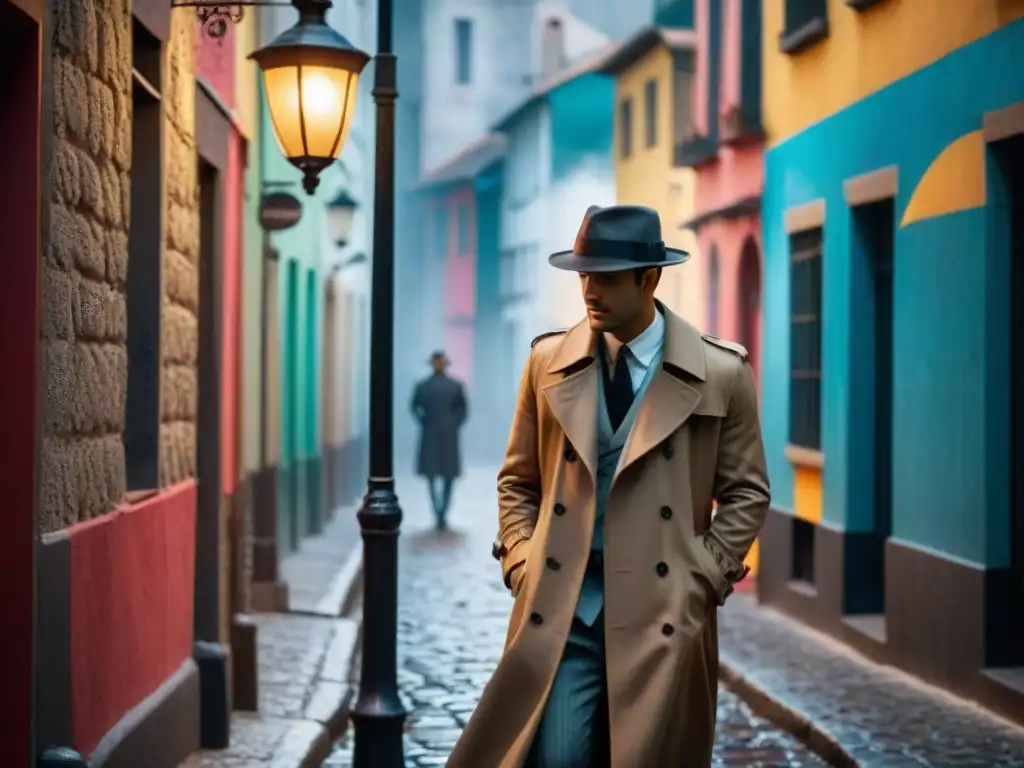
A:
(311, 77)
(310, 74)
(340, 213)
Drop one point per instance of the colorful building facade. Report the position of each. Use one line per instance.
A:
(893, 305)
(653, 105)
(726, 149)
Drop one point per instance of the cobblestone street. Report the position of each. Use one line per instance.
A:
(452, 619)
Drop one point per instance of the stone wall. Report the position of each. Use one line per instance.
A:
(181, 258)
(86, 262)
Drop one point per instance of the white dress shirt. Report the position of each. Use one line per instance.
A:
(642, 349)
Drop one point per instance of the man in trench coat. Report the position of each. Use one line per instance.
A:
(439, 405)
(606, 534)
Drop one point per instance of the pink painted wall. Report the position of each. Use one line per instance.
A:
(231, 305)
(460, 285)
(215, 63)
(738, 173)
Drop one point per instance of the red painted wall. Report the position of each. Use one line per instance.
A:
(215, 63)
(460, 283)
(131, 607)
(231, 307)
(19, 312)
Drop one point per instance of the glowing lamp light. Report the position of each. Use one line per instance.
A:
(311, 77)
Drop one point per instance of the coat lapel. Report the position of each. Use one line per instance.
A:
(573, 398)
(669, 400)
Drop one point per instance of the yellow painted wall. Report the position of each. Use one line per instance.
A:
(246, 41)
(865, 52)
(647, 177)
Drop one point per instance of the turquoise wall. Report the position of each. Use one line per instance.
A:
(950, 315)
(581, 122)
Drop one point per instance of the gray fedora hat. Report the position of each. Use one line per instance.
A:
(618, 238)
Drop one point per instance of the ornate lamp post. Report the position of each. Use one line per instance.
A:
(311, 75)
(340, 213)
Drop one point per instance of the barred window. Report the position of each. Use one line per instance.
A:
(805, 339)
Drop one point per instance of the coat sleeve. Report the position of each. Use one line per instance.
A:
(461, 406)
(416, 404)
(741, 488)
(519, 480)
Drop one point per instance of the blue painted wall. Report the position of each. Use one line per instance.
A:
(950, 313)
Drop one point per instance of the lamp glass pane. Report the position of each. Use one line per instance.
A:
(282, 88)
(308, 117)
(340, 220)
(328, 103)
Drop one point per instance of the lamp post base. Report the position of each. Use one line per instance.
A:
(378, 716)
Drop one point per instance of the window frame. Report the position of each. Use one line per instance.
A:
(805, 22)
(463, 28)
(651, 113)
(625, 120)
(806, 286)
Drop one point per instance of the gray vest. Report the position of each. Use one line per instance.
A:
(609, 450)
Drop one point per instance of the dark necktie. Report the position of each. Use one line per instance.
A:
(618, 391)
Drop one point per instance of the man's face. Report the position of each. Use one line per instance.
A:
(613, 299)
(439, 364)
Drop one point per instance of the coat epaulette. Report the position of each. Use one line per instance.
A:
(728, 346)
(545, 335)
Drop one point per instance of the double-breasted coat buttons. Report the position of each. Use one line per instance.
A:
(666, 450)
(536, 618)
(666, 513)
(661, 569)
(553, 564)
(559, 509)
(666, 630)
(570, 453)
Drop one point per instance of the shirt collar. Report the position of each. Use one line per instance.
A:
(645, 346)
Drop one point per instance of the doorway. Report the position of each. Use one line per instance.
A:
(750, 303)
(19, 310)
(874, 227)
(208, 415)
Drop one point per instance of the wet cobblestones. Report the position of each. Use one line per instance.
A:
(452, 621)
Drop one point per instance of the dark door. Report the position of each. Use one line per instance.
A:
(208, 464)
(1014, 169)
(19, 309)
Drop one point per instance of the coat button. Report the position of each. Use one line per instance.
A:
(666, 629)
(559, 509)
(570, 454)
(666, 513)
(553, 564)
(536, 618)
(661, 569)
(666, 450)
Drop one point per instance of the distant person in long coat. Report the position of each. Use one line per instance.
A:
(439, 404)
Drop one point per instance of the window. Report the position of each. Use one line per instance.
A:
(464, 245)
(806, 24)
(714, 281)
(805, 339)
(142, 411)
(682, 96)
(463, 51)
(651, 112)
(626, 127)
(440, 233)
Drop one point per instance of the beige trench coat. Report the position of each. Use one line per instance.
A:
(696, 439)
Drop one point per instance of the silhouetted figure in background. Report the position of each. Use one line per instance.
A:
(439, 404)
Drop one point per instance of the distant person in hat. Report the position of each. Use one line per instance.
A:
(439, 404)
(629, 427)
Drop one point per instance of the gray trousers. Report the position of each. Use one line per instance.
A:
(573, 731)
